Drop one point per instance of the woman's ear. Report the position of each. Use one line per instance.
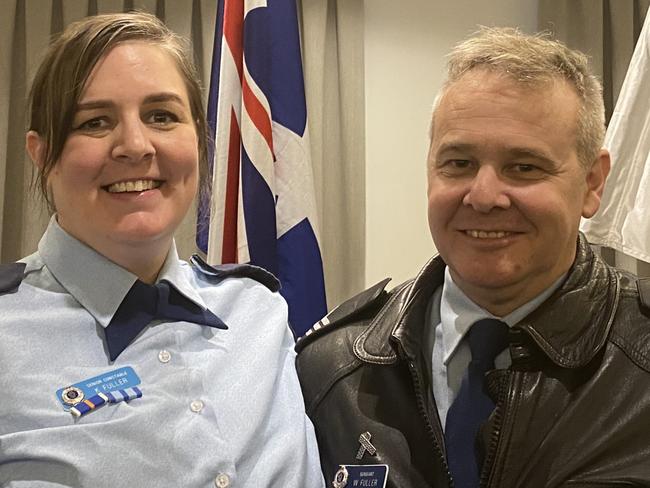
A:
(35, 146)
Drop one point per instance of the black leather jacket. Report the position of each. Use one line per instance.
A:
(573, 410)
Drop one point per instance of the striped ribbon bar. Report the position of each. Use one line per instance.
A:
(88, 405)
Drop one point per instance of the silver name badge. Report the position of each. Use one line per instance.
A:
(365, 476)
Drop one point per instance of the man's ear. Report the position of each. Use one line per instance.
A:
(595, 178)
(35, 147)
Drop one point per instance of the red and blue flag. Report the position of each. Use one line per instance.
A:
(262, 208)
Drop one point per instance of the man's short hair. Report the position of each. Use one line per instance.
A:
(535, 60)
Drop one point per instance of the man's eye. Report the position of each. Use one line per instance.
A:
(162, 117)
(525, 168)
(459, 163)
(454, 167)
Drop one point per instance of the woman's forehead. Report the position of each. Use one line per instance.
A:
(132, 69)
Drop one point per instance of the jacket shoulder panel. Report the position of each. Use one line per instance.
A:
(352, 309)
(631, 328)
(11, 275)
(643, 286)
(223, 271)
(323, 362)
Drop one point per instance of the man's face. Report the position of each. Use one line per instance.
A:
(506, 189)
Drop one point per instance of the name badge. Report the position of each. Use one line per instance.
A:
(112, 381)
(365, 476)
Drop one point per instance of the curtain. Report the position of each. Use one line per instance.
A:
(607, 31)
(332, 38)
(333, 61)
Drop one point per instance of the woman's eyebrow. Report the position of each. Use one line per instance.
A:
(163, 97)
(94, 104)
(153, 98)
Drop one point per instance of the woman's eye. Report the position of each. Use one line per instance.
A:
(97, 123)
(162, 117)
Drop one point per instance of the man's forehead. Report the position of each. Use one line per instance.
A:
(482, 92)
(482, 79)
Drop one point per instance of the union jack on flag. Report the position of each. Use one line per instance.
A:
(262, 209)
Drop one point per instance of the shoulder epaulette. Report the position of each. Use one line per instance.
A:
(11, 275)
(223, 271)
(643, 285)
(344, 313)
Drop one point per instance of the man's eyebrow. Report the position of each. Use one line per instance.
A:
(513, 151)
(526, 152)
(456, 146)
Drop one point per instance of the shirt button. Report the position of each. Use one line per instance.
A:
(196, 406)
(164, 356)
(222, 480)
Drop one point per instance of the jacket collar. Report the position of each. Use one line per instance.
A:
(573, 324)
(570, 327)
(402, 318)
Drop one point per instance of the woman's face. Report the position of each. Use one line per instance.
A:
(129, 168)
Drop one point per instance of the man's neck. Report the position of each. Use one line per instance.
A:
(502, 301)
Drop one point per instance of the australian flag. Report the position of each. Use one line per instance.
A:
(262, 209)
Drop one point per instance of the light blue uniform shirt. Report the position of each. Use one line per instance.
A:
(219, 407)
(451, 314)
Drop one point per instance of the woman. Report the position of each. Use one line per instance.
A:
(120, 364)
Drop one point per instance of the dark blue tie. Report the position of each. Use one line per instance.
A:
(144, 303)
(487, 339)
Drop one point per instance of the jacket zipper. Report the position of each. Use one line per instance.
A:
(490, 457)
(425, 417)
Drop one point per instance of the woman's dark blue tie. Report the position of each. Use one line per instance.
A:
(144, 303)
(487, 339)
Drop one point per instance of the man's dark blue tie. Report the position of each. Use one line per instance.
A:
(144, 303)
(487, 339)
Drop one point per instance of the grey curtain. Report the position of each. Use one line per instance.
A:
(606, 30)
(333, 62)
(332, 38)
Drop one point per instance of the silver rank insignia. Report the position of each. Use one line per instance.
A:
(366, 445)
(340, 478)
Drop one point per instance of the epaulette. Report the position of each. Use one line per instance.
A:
(223, 271)
(344, 313)
(643, 285)
(11, 275)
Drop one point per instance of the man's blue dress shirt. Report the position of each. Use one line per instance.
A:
(451, 314)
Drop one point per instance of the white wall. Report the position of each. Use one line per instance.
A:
(405, 47)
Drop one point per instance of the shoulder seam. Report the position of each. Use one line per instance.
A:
(643, 288)
(636, 355)
(334, 318)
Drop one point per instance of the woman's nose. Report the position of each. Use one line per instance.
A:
(133, 143)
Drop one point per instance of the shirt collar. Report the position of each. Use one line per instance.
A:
(458, 312)
(97, 283)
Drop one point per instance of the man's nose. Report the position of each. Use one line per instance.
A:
(487, 191)
(133, 143)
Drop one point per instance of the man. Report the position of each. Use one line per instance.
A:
(553, 388)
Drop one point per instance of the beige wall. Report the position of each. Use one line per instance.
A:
(405, 45)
